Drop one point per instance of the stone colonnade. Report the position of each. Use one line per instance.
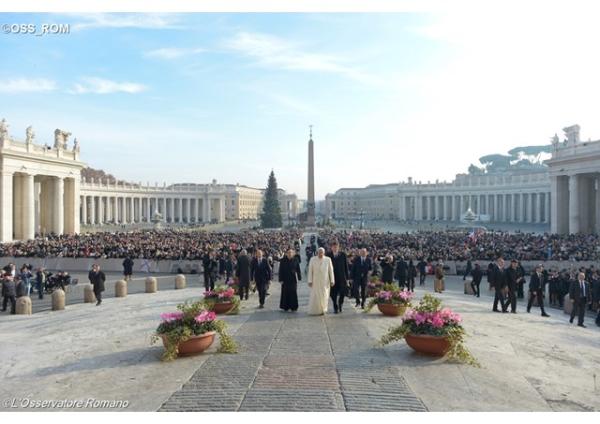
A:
(99, 209)
(526, 207)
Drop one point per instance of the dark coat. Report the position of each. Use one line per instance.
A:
(512, 275)
(289, 275)
(360, 271)
(340, 268)
(9, 288)
(477, 274)
(128, 266)
(498, 278)
(535, 282)
(575, 292)
(289, 271)
(260, 272)
(387, 271)
(243, 270)
(401, 270)
(97, 279)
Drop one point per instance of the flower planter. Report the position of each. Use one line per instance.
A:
(429, 345)
(391, 310)
(222, 307)
(194, 345)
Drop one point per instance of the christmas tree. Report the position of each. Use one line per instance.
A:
(271, 216)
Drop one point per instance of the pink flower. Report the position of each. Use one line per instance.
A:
(205, 316)
(437, 321)
(420, 318)
(171, 316)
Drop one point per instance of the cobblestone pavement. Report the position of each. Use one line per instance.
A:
(296, 362)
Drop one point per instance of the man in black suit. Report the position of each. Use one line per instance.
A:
(360, 277)
(422, 268)
(580, 296)
(340, 275)
(206, 268)
(512, 277)
(242, 272)
(401, 272)
(536, 289)
(477, 276)
(260, 273)
(498, 280)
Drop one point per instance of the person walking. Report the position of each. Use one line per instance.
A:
(242, 272)
(401, 272)
(320, 280)
(477, 276)
(387, 269)
(289, 275)
(438, 283)
(536, 284)
(40, 280)
(580, 296)
(498, 280)
(468, 269)
(25, 276)
(260, 273)
(9, 293)
(339, 261)
(360, 277)
(512, 278)
(422, 268)
(412, 274)
(128, 268)
(97, 278)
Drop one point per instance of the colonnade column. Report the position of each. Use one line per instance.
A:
(84, 210)
(58, 203)
(92, 210)
(72, 221)
(538, 208)
(547, 209)
(574, 204)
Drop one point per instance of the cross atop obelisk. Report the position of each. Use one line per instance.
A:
(310, 203)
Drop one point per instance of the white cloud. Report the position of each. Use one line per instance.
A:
(127, 20)
(104, 86)
(27, 85)
(169, 53)
(274, 52)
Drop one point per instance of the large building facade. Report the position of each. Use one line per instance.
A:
(42, 191)
(564, 195)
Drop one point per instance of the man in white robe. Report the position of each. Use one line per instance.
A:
(320, 281)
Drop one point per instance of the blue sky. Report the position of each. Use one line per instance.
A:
(192, 97)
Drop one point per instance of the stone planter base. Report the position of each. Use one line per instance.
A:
(391, 310)
(428, 345)
(222, 308)
(195, 345)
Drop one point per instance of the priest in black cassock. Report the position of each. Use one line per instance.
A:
(289, 275)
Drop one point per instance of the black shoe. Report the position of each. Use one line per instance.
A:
(504, 311)
(545, 314)
(495, 310)
(98, 303)
(513, 312)
(340, 308)
(335, 309)
(571, 320)
(267, 294)
(362, 305)
(261, 306)
(357, 304)
(246, 297)
(581, 325)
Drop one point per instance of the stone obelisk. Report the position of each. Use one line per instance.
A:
(310, 203)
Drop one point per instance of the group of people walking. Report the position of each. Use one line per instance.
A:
(508, 283)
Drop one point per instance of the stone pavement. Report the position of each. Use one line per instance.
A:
(296, 362)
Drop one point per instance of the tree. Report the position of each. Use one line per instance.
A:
(271, 216)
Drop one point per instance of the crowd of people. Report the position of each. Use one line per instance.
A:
(164, 244)
(356, 257)
(463, 245)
